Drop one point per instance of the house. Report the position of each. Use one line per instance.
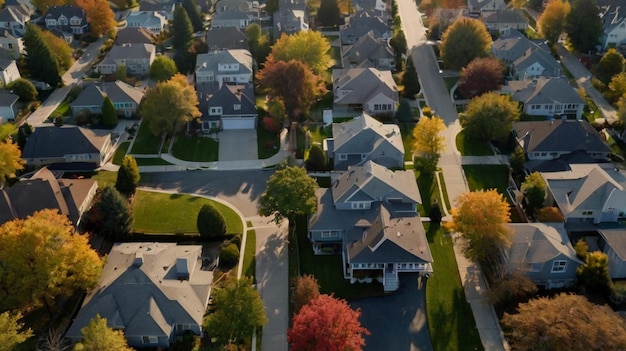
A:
(226, 38)
(502, 21)
(550, 97)
(369, 214)
(536, 63)
(152, 21)
(8, 107)
(233, 106)
(446, 17)
(215, 68)
(364, 139)
(8, 71)
(612, 242)
(14, 46)
(72, 197)
(136, 57)
(477, 7)
(363, 24)
(67, 147)
(67, 18)
(125, 98)
(292, 17)
(153, 292)
(133, 35)
(230, 18)
(613, 13)
(369, 52)
(164, 8)
(365, 89)
(511, 46)
(373, 7)
(14, 18)
(543, 252)
(67, 37)
(548, 140)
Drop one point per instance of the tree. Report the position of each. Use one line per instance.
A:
(481, 217)
(309, 47)
(480, 76)
(109, 115)
(99, 15)
(169, 105)
(428, 142)
(12, 332)
(465, 40)
(534, 190)
(182, 30)
(163, 68)
(271, 6)
(317, 159)
(565, 322)
(617, 88)
(238, 310)
(117, 216)
(518, 159)
(399, 45)
(44, 5)
(594, 273)
(435, 213)
(121, 73)
(549, 215)
(582, 249)
(259, 42)
(194, 15)
(127, 176)
(60, 50)
(409, 80)
(24, 89)
(584, 25)
(229, 256)
(610, 65)
(43, 257)
(97, 336)
(23, 132)
(511, 289)
(10, 161)
(326, 323)
(328, 14)
(40, 61)
(292, 82)
(305, 289)
(210, 222)
(489, 117)
(552, 20)
(289, 192)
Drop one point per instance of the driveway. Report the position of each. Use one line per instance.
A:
(236, 145)
(398, 321)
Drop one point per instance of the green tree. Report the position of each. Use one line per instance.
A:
(552, 20)
(182, 30)
(194, 15)
(428, 142)
(610, 65)
(97, 336)
(60, 49)
(162, 68)
(24, 89)
(594, 273)
(23, 132)
(12, 332)
(40, 60)
(317, 159)
(259, 43)
(127, 176)
(238, 310)
(109, 115)
(489, 117)
(480, 76)
(409, 80)
(534, 189)
(210, 222)
(117, 216)
(584, 25)
(581, 248)
(289, 192)
(399, 45)
(10, 160)
(518, 159)
(465, 40)
(229, 256)
(617, 88)
(271, 6)
(121, 73)
(309, 47)
(328, 14)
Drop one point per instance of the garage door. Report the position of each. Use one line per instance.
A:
(238, 123)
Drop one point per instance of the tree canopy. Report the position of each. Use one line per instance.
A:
(191, 7)
(326, 323)
(465, 40)
(552, 20)
(24, 89)
(305, 289)
(40, 60)
(409, 80)
(12, 331)
(116, 214)
(329, 14)
(594, 273)
(210, 222)
(182, 30)
(44, 5)
(60, 49)
(162, 68)
(534, 189)
(10, 160)
(428, 142)
(97, 336)
(127, 176)
(610, 65)
(290, 191)
(317, 160)
(99, 15)
(584, 25)
(309, 47)
(489, 117)
(259, 42)
(480, 76)
(109, 115)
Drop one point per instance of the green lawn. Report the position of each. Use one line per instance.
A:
(145, 141)
(268, 143)
(318, 134)
(175, 213)
(487, 177)
(472, 147)
(450, 82)
(118, 157)
(105, 178)
(407, 140)
(195, 148)
(62, 110)
(317, 110)
(249, 261)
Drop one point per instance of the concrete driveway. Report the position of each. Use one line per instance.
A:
(239, 144)
(398, 321)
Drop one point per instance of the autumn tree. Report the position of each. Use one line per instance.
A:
(127, 176)
(117, 216)
(317, 160)
(549, 215)
(610, 65)
(210, 222)
(552, 20)
(24, 89)
(428, 142)
(193, 12)
(99, 15)
(98, 336)
(489, 117)
(511, 289)
(109, 115)
(292, 82)
(10, 160)
(12, 331)
(594, 273)
(534, 190)
(182, 30)
(518, 159)
(162, 68)
(43, 257)
(326, 323)
(259, 43)
(309, 47)
(617, 88)
(167, 106)
(584, 25)
(481, 217)
(328, 14)
(482, 75)
(465, 40)
(409, 80)
(60, 49)
(305, 289)
(238, 310)
(289, 192)
(564, 322)
(40, 60)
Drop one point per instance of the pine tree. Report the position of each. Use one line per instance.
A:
(194, 15)
(328, 14)
(409, 80)
(127, 176)
(182, 30)
(40, 61)
(117, 217)
(109, 116)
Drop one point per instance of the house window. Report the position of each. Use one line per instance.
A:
(75, 21)
(10, 46)
(359, 205)
(559, 266)
(342, 157)
(237, 107)
(149, 339)
(587, 213)
(329, 234)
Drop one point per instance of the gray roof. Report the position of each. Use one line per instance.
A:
(544, 90)
(613, 13)
(504, 16)
(129, 51)
(151, 5)
(559, 136)
(538, 243)
(118, 91)
(230, 15)
(367, 48)
(211, 60)
(364, 84)
(133, 35)
(360, 25)
(551, 66)
(68, 11)
(60, 141)
(15, 13)
(616, 239)
(145, 19)
(364, 134)
(141, 293)
(7, 98)
(226, 38)
(230, 95)
(512, 46)
(225, 5)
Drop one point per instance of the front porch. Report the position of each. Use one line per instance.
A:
(385, 273)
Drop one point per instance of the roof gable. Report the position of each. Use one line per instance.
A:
(559, 136)
(60, 141)
(538, 243)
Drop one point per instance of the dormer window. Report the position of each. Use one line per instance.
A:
(237, 107)
(215, 111)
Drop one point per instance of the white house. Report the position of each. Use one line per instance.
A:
(232, 66)
(613, 13)
(8, 71)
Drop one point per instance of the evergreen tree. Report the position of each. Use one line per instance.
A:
(127, 176)
(182, 30)
(584, 25)
(328, 14)
(117, 217)
(40, 61)
(409, 80)
(210, 222)
(317, 159)
(109, 116)
(194, 15)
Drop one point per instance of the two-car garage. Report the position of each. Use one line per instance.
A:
(239, 123)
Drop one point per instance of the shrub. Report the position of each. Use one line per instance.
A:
(317, 159)
(271, 124)
(210, 222)
(229, 256)
(24, 89)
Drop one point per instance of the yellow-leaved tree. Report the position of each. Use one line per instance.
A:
(10, 160)
(428, 142)
(98, 336)
(308, 47)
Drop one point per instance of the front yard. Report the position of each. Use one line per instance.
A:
(195, 148)
(472, 147)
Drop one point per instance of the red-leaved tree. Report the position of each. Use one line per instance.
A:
(480, 76)
(327, 324)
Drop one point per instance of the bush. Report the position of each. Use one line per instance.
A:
(210, 222)
(271, 125)
(24, 89)
(317, 159)
(229, 256)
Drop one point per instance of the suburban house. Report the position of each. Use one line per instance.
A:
(364, 139)
(215, 68)
(502, 21)
(151, 21)
(549, 97)
(12, 44)
(125, 98)
(8, 107)
(369, 52)
(543, 252)
(369, 214)
(511, 46)
(365, 89)
(226, 38)
(373, 7)
(153, 292)
(67, 18)
(613, 13)
(67, 147)
(72, 197)
(230, 18)
(137, 59)
(8, 71)
(477, 7)
(550, 139)
(163, 8)
(536, 63)
(587, 194)
(233, 106)
(292, 17)
(14, 19)
(362, 24)
(133, 35)
(612, 241)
